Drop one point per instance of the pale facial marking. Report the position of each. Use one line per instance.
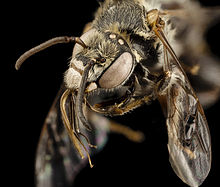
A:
(121, 42)
(112, 36)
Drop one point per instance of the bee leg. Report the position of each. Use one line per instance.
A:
(164, 82)
(165, 79)
(135, 136)
(120, 109)
(75, 123)
(101, 122)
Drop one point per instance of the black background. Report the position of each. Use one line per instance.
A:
(27, 95)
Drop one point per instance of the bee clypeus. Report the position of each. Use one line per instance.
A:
(124, 59)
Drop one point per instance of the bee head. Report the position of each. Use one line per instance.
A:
(113, 64)
(113, 60)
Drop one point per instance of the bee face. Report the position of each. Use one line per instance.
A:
(113, 64)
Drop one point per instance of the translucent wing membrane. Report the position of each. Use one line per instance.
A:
(189, 141)
(57, 161)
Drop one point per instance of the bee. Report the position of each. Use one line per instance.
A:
(124, 59)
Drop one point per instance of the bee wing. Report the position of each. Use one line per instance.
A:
(197, 62)
(57, 162)
(189, 141)
(56, 159)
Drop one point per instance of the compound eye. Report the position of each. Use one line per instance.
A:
(118, 72)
